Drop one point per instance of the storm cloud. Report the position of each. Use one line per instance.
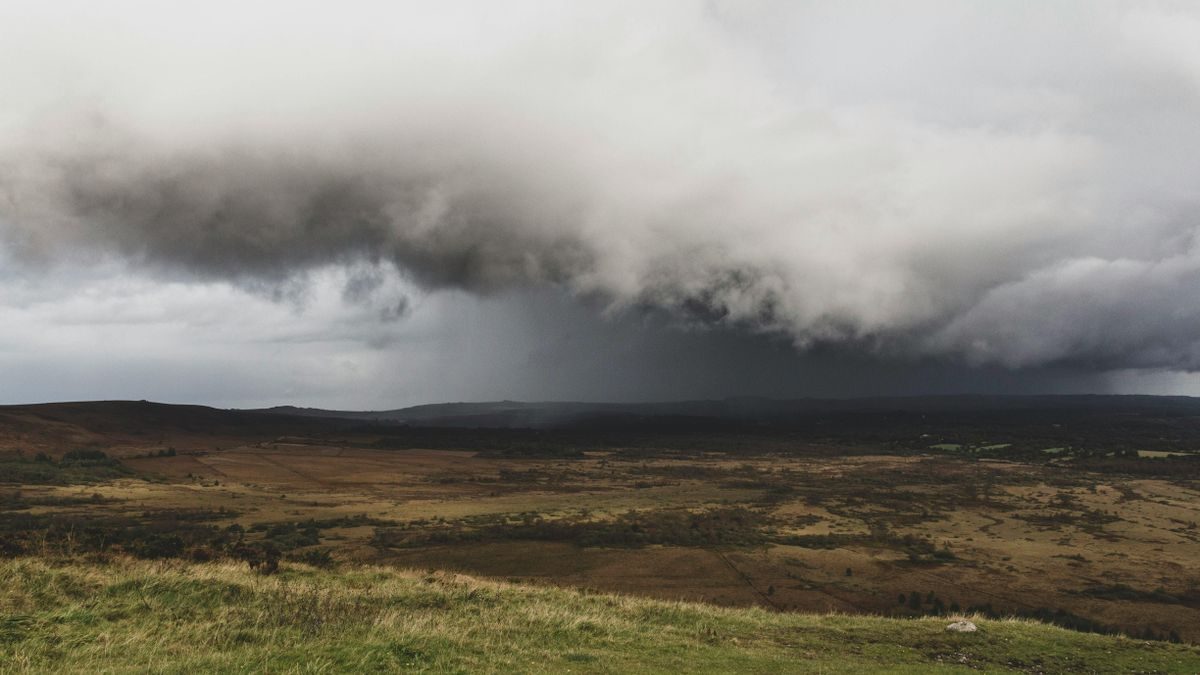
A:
(998, 185)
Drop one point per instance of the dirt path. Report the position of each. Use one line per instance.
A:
(208, 465)
(267, 457)
(746, 579)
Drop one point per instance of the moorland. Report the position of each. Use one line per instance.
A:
(1075, 511)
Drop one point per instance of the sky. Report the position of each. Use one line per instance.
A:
(378, 204)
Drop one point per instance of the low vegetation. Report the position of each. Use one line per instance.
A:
(125, 615)
(1084, 521)
(729, 526)
(74, 467)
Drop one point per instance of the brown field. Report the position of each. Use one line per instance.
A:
(827, 533)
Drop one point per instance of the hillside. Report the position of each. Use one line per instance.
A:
(762, 407)
(121, 615)
(1085, 514)
(1158, 423)
(57, 427)
(1112, 422)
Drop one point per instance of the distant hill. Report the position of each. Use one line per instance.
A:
(1098, 423)
(741, 411)
(55, 428)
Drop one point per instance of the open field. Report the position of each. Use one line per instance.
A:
(1100, 542)
(180, 617)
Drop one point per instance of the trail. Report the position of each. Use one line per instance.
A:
(312, 479)
(987, 529)
(742, 575)
(200, 460)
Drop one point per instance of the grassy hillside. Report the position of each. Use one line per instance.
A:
(125, 616)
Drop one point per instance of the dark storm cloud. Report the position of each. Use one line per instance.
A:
(1002, 185)
(235, 214)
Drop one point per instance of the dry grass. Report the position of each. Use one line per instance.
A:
(980, 510)
(172, 617)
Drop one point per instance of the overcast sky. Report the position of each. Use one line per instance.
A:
(375, 204)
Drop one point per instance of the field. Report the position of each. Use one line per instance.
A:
(180, 617)
(895, 522)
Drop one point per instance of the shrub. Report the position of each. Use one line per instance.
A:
(317, 557)
(914, 600)
(83, 455)
(262, 559)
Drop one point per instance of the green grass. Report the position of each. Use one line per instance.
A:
(175, 617)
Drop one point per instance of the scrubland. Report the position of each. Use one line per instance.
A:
(185, 547)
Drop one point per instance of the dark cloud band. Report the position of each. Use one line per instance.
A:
(705, 167)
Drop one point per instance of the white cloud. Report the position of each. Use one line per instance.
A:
(993, 183)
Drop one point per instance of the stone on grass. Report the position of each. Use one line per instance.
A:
(962, 627)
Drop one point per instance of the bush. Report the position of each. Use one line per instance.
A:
(156, 545)
(914, 600)
(317, 557)
(83, 455)
(202, 554)
(262, 559)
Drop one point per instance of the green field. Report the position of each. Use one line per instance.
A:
(122, 615)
